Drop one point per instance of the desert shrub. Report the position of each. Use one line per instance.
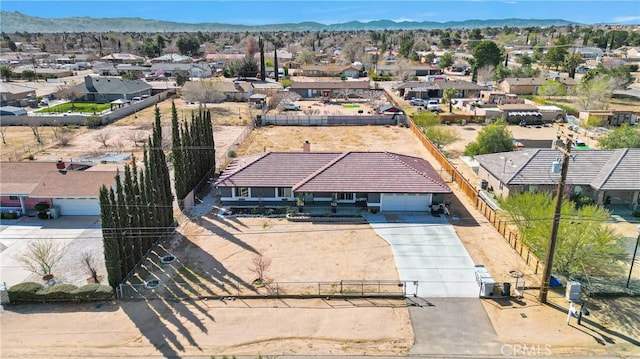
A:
(93, 122)
(232, 154)
(41, 206)
(58, 292)
(25, 292)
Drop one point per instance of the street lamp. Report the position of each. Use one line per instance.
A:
(635, 250)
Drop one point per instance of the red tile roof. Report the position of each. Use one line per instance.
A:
(383, 172)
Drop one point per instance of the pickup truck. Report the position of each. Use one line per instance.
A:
(434, 105)
(417, 102)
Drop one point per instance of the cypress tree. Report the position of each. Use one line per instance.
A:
(263, 71)
(133, 223)
(124, 225)
(117, 235)
(275, 64)
(110, 242)
(178, 160)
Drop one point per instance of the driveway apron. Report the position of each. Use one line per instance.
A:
(428, 254)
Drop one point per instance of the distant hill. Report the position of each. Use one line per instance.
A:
(12, 22)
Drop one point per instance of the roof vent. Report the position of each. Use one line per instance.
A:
(306, 146)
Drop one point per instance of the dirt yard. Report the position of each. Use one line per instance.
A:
(216, 250)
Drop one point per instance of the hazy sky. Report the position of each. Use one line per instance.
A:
(334, 11)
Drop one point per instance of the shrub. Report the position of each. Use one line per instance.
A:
(58, 292)
(636, 213)
(93, 291)
(41, 206)
(93, 122)
(24, 292)
(9, 216)
(232, 154)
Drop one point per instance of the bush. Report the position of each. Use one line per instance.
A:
(636, 213)
(9, 216)
(58, 292)
(41, 206)
(93, 122)
(25, 292)
(93, 291)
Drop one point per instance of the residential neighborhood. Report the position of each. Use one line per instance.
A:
(301, 189)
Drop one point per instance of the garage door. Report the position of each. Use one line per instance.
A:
(405, 202)
(77, 206)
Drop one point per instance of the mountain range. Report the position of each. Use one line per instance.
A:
(12, 22)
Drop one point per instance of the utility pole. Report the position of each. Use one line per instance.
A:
(548, 263)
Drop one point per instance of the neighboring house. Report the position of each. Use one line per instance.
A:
(12, 111)
(73, 192)
(382, 180)
(531, 85)
(172, 58)
(116, 58)
(551, 113)
(220, 60)
(606, 176)
(106, 89)
(435, 89)
(169, 69)
(235, 91)
(329, 89)
(463, 89)
(15, 94)
(410, 70)
(389, 108)
(608, 117)
(329, 70)
(516, 113)
(489, 97)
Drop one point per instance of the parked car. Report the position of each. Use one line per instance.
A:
(291, 107)
(434, 105)
(417, 102)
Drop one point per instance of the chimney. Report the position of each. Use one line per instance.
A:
(306, 146)
(88, 83)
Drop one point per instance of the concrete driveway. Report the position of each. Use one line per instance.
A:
(427, 250)
(75, 235)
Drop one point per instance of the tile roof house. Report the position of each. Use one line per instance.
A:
(106, 89)
(73, 192)
(606, 176)
(530, 85)
(384, 180)
(328, 89)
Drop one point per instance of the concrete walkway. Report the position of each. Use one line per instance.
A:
(428, 251)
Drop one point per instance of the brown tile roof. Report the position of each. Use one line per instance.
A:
(20, 178)
(335, 172)
(73, 184)
(42, 179)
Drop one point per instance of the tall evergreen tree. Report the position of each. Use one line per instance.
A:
(110, 242)
(263, 71)
(275, 64)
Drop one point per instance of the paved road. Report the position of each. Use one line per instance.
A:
(427, 250)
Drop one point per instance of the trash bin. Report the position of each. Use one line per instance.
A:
(506, 289)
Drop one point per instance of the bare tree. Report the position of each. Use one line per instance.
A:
(90, 266)
(282, 98)
(202, 92)
(3, 133)
(42, 256)
(34, 125)
(402, 71)
(137, 137)
(102, 137)
(352, 50)
(345, 93)
(62, 135)
(70, 92)
(311, 111)
(485, 74)
(595, 93)
(259, 266)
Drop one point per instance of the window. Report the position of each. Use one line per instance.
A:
(242, 192)
(345, 196)
(14, 198)
(284, 192)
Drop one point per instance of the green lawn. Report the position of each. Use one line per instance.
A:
(78, 107)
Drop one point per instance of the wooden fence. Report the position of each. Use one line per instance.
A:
(473, 193)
